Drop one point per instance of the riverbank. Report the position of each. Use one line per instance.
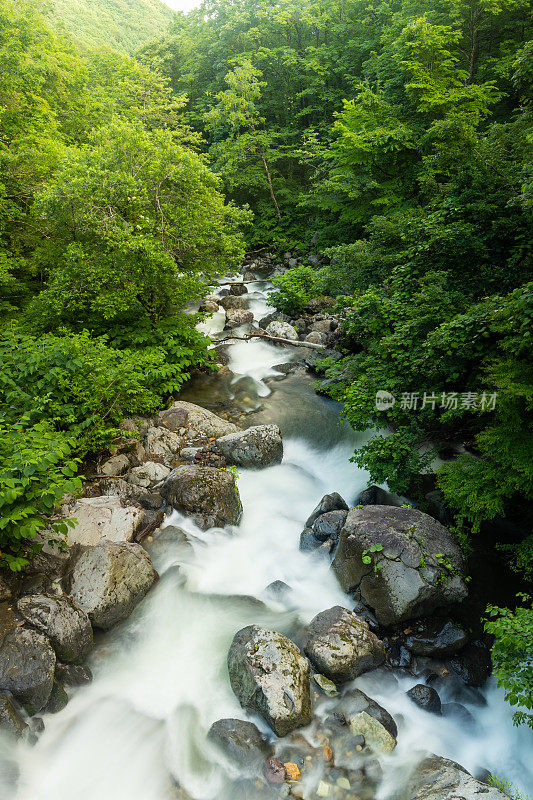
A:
(160, 677)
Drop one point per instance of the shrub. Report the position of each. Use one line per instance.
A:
(296, 288)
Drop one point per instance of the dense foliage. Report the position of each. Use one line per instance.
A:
(110, 221)
(395, 140)
(123, 25)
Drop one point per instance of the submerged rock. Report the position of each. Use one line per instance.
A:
(208, 495)
(109, 580)
(376, 736)
(256, 447)
(438, 778)
(27, 663)
(341, 646)
(67, 626)
(270, 677)
(355, 701)
(241, 742)
(399, 561)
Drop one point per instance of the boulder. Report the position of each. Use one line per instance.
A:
(148, 474)
(238, 289)
(238, 316)
(341, 646)
(127, 493)
(275, 316)
(162, 442)
(174, 418)
(27, 663)
(116, 465)
(425, 697)
(242, 743)
(109, 580)
(316, 337)
(329, 525)
(270, 677)
(208, 495)
(256, 447)
(282, 330)
(232, 301)
(355, 701)
(67, 626)
(376, 496)
(330, 502)
(209, 305)
(58, 699)
(411, 565)
(203, 420)
(11, 717)
(308, 541)
(322, 325)
(103, 518)
(435, 637)
(438, 778)
(473, 665)
(376, 737)
(73, 674)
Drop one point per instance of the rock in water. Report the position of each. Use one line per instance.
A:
(198, 418)
(270, 677)
(27, 664)
(241, 742)
(425, 697)
(415, 564)
(11, 718)
(438, 778)
(435, 637)
(375, 735)
(109, 580)
(355, 701)
(238, 316)
(330, 502)
(259, 446)
(208, 495)
(341, 646)
(67, 626)
(282, 330)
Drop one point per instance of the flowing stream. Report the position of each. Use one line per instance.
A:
(160, 679)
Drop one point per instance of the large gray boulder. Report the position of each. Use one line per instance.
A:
(208, 495)
(270, 677)
(109, 580)
(67, 626)
(399, 561)
(103, 519)
(341, 646)
(282, 330)
(27, 664)
(238, 316)
(148, 474)
(231, 301)
(438, 778)
(198, 418)
(162, 442)
(259, 446)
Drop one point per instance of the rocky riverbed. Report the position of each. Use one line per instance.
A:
(257, 622)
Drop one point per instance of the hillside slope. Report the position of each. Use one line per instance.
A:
(121, 24)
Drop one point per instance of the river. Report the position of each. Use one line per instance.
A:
(160, 679)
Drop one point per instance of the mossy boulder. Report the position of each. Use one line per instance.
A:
(208, 495)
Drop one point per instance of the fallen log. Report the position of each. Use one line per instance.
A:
(279, 339)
